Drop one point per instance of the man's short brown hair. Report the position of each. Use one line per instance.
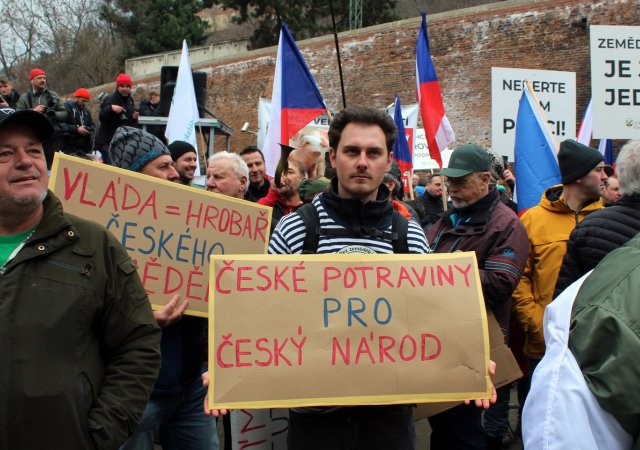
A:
(364, 116)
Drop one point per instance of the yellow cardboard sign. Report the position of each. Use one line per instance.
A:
(169, 229)
(312, 330)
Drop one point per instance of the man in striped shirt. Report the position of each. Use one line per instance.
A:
(355, 216)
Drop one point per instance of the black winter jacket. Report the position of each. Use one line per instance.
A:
(110, 121)
(76, 117)
(597, 235)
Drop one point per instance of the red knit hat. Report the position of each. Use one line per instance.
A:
(82, 93)
(123, 78)
(35, 73)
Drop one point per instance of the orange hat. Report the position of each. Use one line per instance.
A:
(82, 93)
(123, 78)
(35, 73)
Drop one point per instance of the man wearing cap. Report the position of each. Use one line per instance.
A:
(116, 110)
(548, 226)
(175, 408)
(78, 343)
(79, 127)
(185, 161)
(481, 223)
(39, 98)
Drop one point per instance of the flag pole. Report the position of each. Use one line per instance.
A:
(445, 194)
(335, 36)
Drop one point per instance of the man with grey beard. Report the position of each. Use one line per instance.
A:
(481, 223)
(79, 347)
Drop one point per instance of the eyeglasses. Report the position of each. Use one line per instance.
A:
(461, 181)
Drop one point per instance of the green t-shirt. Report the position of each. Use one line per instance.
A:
(9, 243)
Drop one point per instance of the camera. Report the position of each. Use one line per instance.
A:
(49, 110)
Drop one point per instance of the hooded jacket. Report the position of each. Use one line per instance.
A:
(79, 346)
(597, 235)
(548, 226)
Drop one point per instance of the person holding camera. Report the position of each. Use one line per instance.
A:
(79, 130)
(116, 110)
(39, 98)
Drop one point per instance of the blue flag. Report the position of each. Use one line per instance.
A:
(535, 154)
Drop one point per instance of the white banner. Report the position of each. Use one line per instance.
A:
(183, 115)
(615, 81)
(421, 158)
(556, 92)
(410, 117)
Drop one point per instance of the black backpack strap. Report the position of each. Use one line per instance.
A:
(400, 230)
(309, 215)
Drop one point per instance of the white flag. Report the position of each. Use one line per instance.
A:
(183, 115)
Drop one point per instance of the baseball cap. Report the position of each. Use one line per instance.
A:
(33, 120)
(466, 159)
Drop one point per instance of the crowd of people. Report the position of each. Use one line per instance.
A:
(88, 364)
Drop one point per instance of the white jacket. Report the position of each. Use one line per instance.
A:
(560, 411)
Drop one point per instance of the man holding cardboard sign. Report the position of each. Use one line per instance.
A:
(358, 214)
(174, 410)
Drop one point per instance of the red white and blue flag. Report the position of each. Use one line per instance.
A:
(536, 153)
(585, 133)
(606, 149)
(586, 127)
(437, 128)
(295, 100)
(401, 151)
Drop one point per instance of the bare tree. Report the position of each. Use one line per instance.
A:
(66, 38)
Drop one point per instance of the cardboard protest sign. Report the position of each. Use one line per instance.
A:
(615, 68)
(507, 370)
(556, 92)
(304, 330)
(259, 429)
(169, 229)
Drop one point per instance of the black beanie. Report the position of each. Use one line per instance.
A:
(179, 148)
(576, 160)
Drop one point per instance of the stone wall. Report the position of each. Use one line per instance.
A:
(379, 61)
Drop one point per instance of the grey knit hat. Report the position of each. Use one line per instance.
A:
(132, 148)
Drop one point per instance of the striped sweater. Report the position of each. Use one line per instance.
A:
(289, 235)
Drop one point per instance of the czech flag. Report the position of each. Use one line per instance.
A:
(536, 153)
(295, 100)
(437, 128)
(401, 152)
(606, 149)
(586, 127)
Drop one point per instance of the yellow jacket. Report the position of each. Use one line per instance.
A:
(548, 226)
